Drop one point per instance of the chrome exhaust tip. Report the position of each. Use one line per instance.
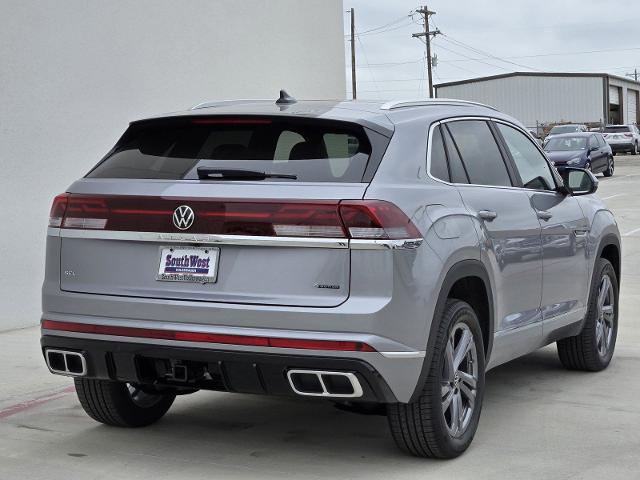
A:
(64, 362)
(321, 383)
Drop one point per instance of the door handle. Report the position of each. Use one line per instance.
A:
(544, 215)
(487, 215)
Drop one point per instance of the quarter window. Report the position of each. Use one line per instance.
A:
(479, 151)
(530, 163)
(439, 167)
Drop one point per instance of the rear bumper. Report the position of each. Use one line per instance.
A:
(622, 146)
(232, 371)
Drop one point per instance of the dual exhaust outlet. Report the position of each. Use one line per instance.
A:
(313, 383)
(64, 362)
(320, 383)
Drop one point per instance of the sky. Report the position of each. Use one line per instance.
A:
(482, 37)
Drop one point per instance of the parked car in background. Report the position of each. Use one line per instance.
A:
(355, 252)
(622, 138)
(569, 128)
(582, 150)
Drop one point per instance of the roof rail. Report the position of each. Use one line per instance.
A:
(433, 101)
(224, 103)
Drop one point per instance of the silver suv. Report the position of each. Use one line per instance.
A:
(622, 138)
(367, 254)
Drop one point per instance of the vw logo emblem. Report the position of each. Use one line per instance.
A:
(183, 217)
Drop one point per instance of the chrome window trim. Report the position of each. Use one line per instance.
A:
(486, 119)
(244, 240)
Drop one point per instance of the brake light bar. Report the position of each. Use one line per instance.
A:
(177, 335)
(355, 219)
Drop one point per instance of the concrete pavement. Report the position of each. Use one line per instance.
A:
(539, 420)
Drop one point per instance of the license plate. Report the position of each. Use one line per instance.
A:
(188, 264)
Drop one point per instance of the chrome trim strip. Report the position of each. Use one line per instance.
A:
(205, 238)
(403, 354)
(208, 239)
(404, 244)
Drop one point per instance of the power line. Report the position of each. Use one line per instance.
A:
(364, 54)
(449, 39)
(386, 25)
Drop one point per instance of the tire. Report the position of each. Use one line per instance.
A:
(586, 351)
(423, 428)
(121, 404)
(610, 168)
(635, 149)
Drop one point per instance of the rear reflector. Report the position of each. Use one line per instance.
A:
(357, 219)
(345, 346)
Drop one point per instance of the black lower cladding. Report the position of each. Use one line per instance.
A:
(199, 368)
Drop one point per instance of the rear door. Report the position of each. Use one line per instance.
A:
(564, 233)
(509, 230)
(153, 219)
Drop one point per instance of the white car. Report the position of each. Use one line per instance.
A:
(622, 138)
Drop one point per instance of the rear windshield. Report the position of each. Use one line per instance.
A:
(564, 129)
(621, 129)
(312, 150)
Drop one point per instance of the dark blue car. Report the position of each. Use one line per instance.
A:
(584, 150)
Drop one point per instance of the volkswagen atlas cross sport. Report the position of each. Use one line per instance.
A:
(369, 254)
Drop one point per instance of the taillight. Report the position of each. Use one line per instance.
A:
(376, 219)
(357, 219)
(58, 208)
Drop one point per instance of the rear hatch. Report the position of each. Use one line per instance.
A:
(222, 209)
(618, 134)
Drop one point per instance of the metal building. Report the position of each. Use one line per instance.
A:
(542, 99)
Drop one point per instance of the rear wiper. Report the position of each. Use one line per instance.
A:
(205, 173)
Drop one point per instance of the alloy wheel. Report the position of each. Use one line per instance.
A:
(606, 316)
(459, 379)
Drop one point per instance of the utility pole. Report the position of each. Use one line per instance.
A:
(635, 75)
(353, 55)
(426, 13)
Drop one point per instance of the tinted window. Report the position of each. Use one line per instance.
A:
(532, 166)
(313, 150)
(601, 141)
(480, 154)
(564, 129)
(439, 167)
(458, 172)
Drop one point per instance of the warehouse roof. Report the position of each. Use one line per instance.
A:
(535, 74)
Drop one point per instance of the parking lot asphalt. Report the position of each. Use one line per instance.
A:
(539, 420)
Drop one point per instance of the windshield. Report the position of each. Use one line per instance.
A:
(565, 144)
(564, 129)
(622, 129)
(305, 150)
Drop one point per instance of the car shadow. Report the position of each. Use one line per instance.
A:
(301, 436)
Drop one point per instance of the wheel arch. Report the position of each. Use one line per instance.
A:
(609, 248)
(466, 273)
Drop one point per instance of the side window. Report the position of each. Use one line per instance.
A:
(530, 163)
(601, 140)
(438, 167)
(593, 142)
(458, 172)
(480, 153)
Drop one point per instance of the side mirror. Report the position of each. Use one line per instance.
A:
(579, 181)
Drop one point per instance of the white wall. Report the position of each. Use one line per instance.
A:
(543, 98)
(73, 73)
